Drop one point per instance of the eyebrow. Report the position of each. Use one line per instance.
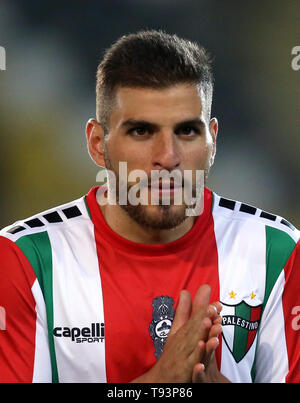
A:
(154, 126)
(190, 122)
(133, 122)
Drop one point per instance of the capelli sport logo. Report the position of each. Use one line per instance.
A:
(92, 334)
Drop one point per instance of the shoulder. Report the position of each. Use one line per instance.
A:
(58, 217)
(31, 236)
(28, 244)
(253, 223)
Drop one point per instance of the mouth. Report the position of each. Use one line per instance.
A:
(166, 189)
(165, 186)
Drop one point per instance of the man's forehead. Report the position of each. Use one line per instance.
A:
(179, 102)
(173, 93)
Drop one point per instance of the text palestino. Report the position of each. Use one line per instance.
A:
(236, 320)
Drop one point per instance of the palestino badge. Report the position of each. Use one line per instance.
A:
(240, 324)
(163, 315)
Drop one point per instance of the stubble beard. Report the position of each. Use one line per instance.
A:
(155, 217)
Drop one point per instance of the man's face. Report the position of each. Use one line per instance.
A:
(154, 130)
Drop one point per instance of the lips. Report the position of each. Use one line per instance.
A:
(164, 185)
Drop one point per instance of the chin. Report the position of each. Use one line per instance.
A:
(157, 217)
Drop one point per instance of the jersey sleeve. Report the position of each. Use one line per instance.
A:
(24, 355)
(278, 350)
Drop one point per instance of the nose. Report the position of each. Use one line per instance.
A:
(166, 152)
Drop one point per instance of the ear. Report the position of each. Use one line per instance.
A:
(213, 129)
(95, 138)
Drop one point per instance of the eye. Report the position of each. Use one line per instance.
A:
(188, 131)
(139, 131)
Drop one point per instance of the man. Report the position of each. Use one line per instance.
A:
(104, 289)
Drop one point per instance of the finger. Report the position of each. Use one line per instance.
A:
(215, 331)
(183, 311)
(211, 346)
(196, 331)
(198, 375)
(218, 320)
(212, 312)
(198, 354)
(202, 297)
(218, 306)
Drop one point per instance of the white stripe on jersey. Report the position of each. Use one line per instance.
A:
(42, 362)
(77, 300)
(242, 266)
(272, 366)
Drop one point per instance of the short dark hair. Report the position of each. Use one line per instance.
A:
(150, 59)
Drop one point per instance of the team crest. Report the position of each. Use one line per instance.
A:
(163, 315)
(240, 324)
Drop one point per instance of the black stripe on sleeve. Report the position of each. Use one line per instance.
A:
(288, 224)
(245, 208)
(34, 222)
(268, 216)
(230, 204)
(53, 217)
(71, 212)
(16, 229)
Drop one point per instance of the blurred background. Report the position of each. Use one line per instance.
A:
(47, 94)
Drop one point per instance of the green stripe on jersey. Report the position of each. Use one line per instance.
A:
(37, 249)
(87, 207)
(241, 334)
(279, 246)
